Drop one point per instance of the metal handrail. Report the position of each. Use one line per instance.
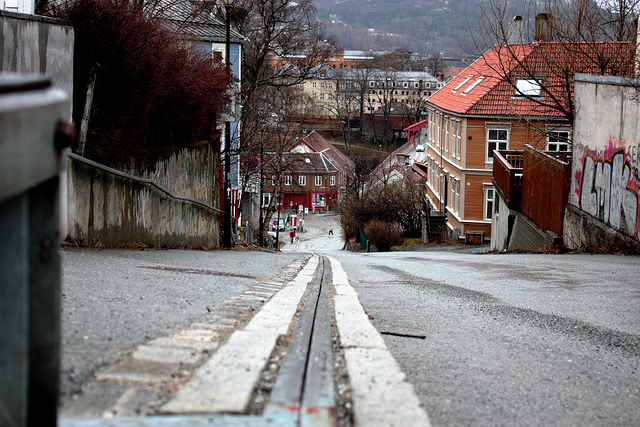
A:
(141, 180)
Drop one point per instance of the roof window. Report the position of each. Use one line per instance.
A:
(470, 88)
(455, 89)
(528, 87)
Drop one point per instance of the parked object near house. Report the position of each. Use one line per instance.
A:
(603, 210)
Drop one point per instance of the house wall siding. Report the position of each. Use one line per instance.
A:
(475, 156)
(474, 196)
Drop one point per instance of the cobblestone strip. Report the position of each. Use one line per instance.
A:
(142, 383)
(225, 383)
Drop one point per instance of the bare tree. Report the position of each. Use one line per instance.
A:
(269, 135)
(570, 37)
(436, 64)
(380, 102)
(346, 105)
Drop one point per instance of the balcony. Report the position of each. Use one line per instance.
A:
(507, 175)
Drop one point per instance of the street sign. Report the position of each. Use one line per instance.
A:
(251, 163)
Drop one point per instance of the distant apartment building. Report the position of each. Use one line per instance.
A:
(367, 89)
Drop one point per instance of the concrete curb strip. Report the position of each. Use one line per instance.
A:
(381, 394)
(226, 381)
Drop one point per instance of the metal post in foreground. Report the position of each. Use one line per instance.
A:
(31, 139)
(228, 240)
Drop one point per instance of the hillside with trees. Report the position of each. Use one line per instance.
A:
(455, 27)
(422, 26)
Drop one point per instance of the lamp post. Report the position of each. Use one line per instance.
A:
(228, 241)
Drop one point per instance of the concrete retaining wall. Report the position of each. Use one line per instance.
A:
(187, 173)
(606, 162)
(38, 45)
(527, 236)
(111, 210)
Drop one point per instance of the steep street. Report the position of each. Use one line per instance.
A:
(482, 338)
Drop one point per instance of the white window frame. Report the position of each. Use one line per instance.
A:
(273, 180)
(288, 179)
(314, 84)
(556, 145)
(495, 143)
(457, 201)
(447, 123)
(302, 180)
(318, 181)
(489, 199)
(332, 180)
(266, 199)
(432, 127)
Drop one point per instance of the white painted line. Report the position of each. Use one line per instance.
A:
(225, 382)
(185, 343)
(353, 324)
(196, 335)
(382, 396)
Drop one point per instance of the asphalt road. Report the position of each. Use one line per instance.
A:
(510, 339)
(115, 300)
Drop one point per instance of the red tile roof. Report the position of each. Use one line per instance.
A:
(482, 90)
(320, 145)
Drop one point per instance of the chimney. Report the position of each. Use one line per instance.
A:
(516, 28)
(544, 27)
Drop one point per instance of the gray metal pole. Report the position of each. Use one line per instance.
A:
(228, 241)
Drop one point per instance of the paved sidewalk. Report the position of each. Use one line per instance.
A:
(230, 349)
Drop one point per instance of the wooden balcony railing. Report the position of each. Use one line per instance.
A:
(507, 174)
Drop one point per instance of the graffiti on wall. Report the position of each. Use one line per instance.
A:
(608, 185)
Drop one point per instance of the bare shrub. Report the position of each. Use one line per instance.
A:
(384, 234)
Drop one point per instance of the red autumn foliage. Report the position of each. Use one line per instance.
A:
(153, 91)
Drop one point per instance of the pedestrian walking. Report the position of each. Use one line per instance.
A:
(292, 235)
(331, 230)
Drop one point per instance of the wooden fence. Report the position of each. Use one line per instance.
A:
(545, 188)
